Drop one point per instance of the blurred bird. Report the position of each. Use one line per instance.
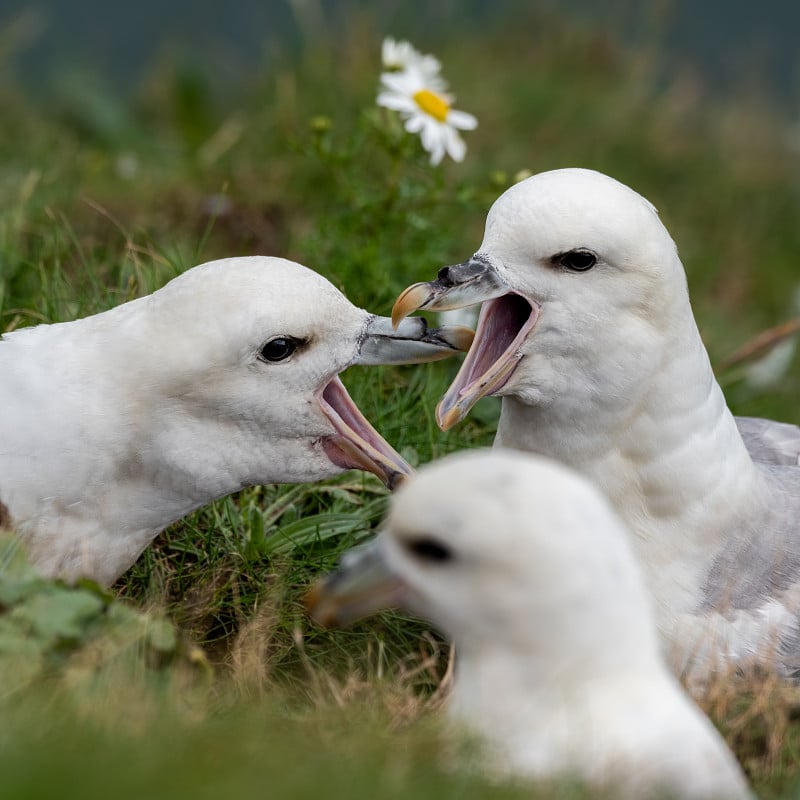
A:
(529, 570)
(115, 425)
(587, 333)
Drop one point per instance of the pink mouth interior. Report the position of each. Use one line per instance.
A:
(502, 327)
(358, 445)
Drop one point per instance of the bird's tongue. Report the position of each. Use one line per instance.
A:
(356, 444)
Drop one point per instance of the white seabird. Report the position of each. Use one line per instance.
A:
(558, 670)
(587, 333)
(115, 425)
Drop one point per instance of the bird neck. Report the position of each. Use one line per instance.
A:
(679, 418)
(536, 711)
(604, 635)
(671, 459)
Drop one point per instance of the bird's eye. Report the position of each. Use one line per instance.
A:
(429, 549)
(278, 349)
(577, 260)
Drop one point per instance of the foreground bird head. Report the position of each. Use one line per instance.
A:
(577, 276)
(505, 553)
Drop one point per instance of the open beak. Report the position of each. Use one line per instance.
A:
(505, 321)
(362, 585)
(356, 444)
(410, 342)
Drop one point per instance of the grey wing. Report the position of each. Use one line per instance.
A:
(770, 442)
(753, 585)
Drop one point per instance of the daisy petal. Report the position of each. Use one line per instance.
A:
(397, 102)
(454, 144)
(430, 65)
(406, 82)
(414, 123)
(388, 52)
(462, 120)
(437, 154)
(429, 134)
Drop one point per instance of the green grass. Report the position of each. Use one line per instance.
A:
(104, 199)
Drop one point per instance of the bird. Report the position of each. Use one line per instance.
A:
(586, 331)
(115, 425)
(527, 568)
(770, 441)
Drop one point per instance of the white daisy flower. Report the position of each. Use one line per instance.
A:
(427, 110)
(400, 56)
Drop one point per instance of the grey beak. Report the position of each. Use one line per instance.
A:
(363, 584)
(411, 343)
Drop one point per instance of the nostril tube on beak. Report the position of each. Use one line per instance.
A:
(444, 275)
(420, 324)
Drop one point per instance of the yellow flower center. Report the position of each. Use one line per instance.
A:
(432, 104)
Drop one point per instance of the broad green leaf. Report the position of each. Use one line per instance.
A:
(59, 613)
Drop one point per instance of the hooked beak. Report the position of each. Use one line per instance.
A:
(356, 444)
(410, 342)
(505, 321)
(362, 585)
(457, 286)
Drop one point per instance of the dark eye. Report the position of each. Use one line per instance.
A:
(429, 550)
(577, 260)
(278, 349)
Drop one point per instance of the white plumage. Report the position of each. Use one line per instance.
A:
(558, 671)
(115, 425)
(588, 335)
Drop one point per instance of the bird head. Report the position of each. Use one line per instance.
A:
(249, 353)
(504, 552)
(579, 281)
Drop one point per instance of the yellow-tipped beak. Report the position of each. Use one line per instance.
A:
(412, 299)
